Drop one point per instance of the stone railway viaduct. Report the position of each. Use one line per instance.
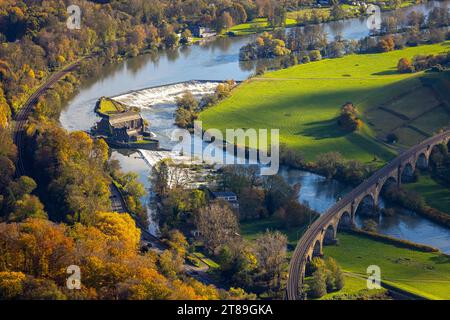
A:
(342, 215)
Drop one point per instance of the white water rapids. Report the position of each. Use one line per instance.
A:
(164, 95)
(158, 106)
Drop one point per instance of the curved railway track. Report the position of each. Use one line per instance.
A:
(22, 115)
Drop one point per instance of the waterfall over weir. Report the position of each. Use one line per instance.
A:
(167, 94)
(158, 106)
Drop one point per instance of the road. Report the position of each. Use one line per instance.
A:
(298, 258)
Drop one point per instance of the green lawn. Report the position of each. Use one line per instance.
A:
(256, 26)
(212, 264)
(251, 230)
(304, 102)
(354, 288)
(425, 274)
(435, 194)
(109, 106)
(415, 103)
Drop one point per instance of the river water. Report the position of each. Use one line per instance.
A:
(145, 81)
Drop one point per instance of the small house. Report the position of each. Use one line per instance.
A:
(227, 196)
(202, 32)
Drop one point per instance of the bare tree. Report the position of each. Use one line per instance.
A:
(271, 254)
(217, 224)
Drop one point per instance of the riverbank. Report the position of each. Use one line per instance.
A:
(307, 16)
(317, 191)
(436, 195)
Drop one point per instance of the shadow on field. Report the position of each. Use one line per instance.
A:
(441, 259)
(386, 73)
(325, 129)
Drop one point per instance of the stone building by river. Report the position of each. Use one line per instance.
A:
(123, 127)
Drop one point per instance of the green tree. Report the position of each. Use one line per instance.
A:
(28, 207)
(318, 286)
(315, 55)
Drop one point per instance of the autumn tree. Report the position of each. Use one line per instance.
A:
(72, 166)
(28, 206)
(315, 55)
(5, 111)
(348, 119)
(187, 110)
(252, 204)
(120, 229)
(386, 44)
(11, 285)
(171, 263)
(405, 66)
(224, 22)
(238, 262)
(36, 253)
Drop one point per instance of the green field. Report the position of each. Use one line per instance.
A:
(260, 24)
(304, 102)
(424, 274)
(251, 230)
(210, 263)
(354, 287)
(256, 26)
(109, 106)
(435, 194)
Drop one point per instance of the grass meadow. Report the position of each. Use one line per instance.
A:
(422, 273)
(435, 194)
(304, 102)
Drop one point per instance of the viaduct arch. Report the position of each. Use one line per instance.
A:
(342, 214)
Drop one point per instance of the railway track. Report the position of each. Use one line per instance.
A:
(23, 114)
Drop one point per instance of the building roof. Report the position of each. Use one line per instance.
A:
(118, 118)
(222, 194)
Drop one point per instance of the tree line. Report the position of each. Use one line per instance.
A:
(310, 43)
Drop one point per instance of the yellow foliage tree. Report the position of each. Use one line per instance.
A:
(121, 229)
(11, 284)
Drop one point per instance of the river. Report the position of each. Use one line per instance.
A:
(133, 81)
